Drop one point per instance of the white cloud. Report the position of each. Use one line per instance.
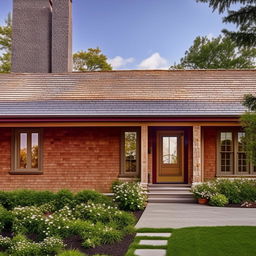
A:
(119, 62)
(155, 61)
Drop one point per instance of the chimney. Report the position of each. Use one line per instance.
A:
(61, 36)
(31, 36)
(42, 36)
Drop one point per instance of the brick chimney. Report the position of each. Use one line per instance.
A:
(42, 36)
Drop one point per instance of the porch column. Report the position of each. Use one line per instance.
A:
(197, 147)
(144, 155)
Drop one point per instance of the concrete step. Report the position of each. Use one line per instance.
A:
(169, 185)
(171, 200)
(170, 195)
(169, 188)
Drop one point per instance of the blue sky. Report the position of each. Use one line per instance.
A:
(139, 34)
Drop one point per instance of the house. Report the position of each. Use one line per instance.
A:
(60, 129)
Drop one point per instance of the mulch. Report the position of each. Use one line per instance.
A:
(244, 205)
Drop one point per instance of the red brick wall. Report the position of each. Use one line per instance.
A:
(210, 158)
(73, 158)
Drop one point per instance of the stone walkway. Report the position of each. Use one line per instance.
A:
(153, 251)
(179, 215)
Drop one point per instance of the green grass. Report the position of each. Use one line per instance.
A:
(205, 241)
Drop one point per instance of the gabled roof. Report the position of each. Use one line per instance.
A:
(126, 93)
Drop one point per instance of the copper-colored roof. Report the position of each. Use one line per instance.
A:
(175, 92)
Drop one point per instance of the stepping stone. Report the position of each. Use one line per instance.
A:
(150, 252)
(154, 234)
(153, 242)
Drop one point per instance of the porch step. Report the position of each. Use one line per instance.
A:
(171, 200)
(170, 193)
(169, 185)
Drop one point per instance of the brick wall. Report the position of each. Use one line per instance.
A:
(74, 158)
(210, 161)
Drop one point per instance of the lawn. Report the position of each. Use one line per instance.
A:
(206, 241)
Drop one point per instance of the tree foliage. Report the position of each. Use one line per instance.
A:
(249, 123)
(217, 53)
(91, 60)
(6, 45)
(244, 18)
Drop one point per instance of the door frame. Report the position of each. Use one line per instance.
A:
(153, 150)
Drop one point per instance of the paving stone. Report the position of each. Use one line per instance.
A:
(150, 252)
(154, 234)
(153, 242)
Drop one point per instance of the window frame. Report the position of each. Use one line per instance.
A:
(15, 151)
(123, 172)
(235, 172)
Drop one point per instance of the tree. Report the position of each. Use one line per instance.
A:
(248, 120)
(217, 53)
(6, 45)
(92, 60)
(244, 18)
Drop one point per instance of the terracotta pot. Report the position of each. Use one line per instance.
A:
(202, 200)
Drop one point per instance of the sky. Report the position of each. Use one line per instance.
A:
(139, 34)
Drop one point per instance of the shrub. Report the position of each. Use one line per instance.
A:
(63, 198)
(203, 190)
(237, 191)
(5, 242)
(218, 200)
(6, 219)
(129, 196)
(71, 253)
(21, 198)
(89, 195)
(21, 246)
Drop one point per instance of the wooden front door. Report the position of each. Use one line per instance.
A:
(170, 157)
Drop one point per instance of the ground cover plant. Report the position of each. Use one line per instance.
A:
(221, 192)
(32, 224)
(202, 241)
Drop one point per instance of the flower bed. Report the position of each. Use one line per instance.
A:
(37, 226)
(227, 192)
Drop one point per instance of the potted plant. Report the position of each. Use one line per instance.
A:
(202, 192)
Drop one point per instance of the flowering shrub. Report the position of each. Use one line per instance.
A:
(204, 190)
(21, 246)
(129, 196)
(5, 242)
(27, 219)
(218, 200)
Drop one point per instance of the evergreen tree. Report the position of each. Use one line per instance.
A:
(244, 18)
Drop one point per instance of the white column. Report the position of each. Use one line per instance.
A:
(144, 155)
(197, 155)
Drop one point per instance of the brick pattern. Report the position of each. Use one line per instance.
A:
(74, 158)
(210, 157)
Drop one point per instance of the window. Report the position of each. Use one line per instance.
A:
(232, 159)
(27, 151)
(130, 153)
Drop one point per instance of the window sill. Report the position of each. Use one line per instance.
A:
(26, 172)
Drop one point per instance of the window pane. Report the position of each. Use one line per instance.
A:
(226, 162)
(240, 139)
(226, 142)
(130, 151)
(23, 151)
(34, 150)
(170, 146)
